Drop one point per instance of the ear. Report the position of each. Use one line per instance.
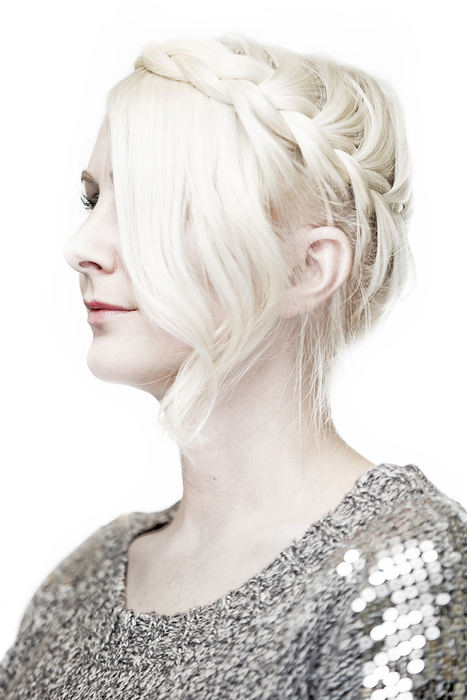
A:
(321, 262)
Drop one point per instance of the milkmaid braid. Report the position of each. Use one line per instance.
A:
(319, 110)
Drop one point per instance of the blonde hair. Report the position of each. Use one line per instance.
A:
(242, 143)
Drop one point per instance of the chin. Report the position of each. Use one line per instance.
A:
(122, 369)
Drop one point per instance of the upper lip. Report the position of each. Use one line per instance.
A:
(95, 304)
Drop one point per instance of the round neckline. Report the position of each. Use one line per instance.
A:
(372, 485)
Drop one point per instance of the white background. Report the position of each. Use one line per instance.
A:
(76, 451)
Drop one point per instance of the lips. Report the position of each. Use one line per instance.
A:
(96, 305)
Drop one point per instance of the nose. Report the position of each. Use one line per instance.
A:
(86, 252)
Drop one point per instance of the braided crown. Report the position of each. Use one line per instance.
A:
(320, 122)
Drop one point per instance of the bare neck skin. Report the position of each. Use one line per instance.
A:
(255, 481)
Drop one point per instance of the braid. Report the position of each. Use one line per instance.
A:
(276, 94)
(188, 61)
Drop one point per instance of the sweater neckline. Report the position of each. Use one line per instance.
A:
(369, 489)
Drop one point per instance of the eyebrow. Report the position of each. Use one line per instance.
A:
(87, 177)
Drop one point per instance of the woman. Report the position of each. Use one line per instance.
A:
(250, 208)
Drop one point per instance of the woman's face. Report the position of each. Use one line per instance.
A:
(125, 348)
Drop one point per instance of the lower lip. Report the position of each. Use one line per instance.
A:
(101, 315)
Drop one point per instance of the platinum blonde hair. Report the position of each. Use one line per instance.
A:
(240, 143)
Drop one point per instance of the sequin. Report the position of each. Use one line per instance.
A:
(390, 614)
(432, 632)
(344, 568)
(443, 598)
(411, 609)
(415, 666)
(412, 552)
(351, 555)
(358, 604)
(430, 555)
(381, 658)
(404, 684)
(425, 545)
(368, 594)
(418, 641)
(376, 578)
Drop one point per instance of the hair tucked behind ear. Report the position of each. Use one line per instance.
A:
(234, 144)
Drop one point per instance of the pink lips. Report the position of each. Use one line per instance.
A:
(95, 304)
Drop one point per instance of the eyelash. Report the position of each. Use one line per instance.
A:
(87, 201)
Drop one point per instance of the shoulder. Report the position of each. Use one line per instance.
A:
(82, 560)
(71, 572)
(402, 613)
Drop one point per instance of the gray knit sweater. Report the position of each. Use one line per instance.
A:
(370, 602)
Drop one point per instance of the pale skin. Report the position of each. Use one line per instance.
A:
(247, 499)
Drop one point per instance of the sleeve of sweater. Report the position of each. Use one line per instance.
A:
(399, 622)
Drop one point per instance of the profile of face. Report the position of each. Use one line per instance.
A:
(125, 348)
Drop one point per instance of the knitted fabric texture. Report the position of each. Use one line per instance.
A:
(370, 602)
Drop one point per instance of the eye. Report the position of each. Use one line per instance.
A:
(88, 203)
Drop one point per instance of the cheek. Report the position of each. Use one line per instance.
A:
(157, 357)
